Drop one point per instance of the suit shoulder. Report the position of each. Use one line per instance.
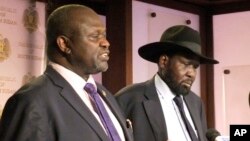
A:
(34, 88)
(136, 91)
(133, 88)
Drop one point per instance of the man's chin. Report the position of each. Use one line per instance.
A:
(184, 91)
(102, 68)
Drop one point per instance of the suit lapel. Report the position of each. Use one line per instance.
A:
(75, 102)
(154, 111)
(114, 107)
(192, 107)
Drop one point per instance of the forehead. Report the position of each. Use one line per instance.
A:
(92, 22)
(92, 29)
(85, 25)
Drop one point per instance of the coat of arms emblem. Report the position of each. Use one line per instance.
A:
(30, 18)
(4, 48)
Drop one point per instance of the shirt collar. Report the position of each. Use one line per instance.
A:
(163, 89)
(73, 79)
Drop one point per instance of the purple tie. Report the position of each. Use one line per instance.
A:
(179, 103)
(101, 111)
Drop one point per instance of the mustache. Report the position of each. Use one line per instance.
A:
(188, 81)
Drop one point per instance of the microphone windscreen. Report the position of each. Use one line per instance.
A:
(212, 134)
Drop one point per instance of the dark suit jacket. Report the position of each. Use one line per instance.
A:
(48, 109)
(142, 106)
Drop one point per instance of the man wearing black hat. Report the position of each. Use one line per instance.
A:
(164, 108)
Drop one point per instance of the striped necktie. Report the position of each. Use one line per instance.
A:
(179, 102)
(101, 111)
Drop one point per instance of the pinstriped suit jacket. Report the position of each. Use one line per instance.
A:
(142, 106)
(48, 109)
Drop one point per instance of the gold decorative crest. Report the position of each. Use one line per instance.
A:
(27, 78)
(4, 48)
(30, 18)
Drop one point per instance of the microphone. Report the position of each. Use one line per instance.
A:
(214, 135)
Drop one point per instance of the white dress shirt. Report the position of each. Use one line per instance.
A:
(176, 129)
(78, 84)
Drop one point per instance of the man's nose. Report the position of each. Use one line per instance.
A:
(105, 43)
(191, 72)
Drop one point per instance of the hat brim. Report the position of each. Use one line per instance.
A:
(152, 52)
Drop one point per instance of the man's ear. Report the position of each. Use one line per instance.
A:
(163, 61)
(62, 43)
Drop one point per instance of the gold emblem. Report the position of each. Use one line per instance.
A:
(31, 17)
(104, 93)
(27, 78)
(129, 123)
(4, 48)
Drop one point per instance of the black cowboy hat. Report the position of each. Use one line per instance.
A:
(178, 38)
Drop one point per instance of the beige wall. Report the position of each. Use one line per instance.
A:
(22, 45)
(232, 48)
